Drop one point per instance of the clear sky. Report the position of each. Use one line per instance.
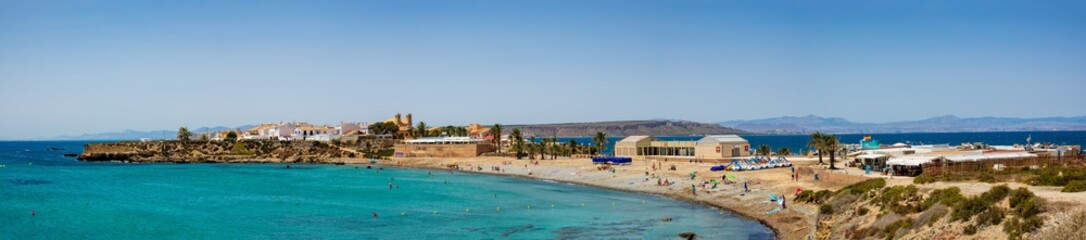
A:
(75, 67)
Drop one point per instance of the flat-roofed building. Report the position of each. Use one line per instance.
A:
(443, 147)
(722, 147)
(715, 147)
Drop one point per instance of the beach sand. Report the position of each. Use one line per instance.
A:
(795, 222)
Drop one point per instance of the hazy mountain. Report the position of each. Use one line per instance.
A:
(623, 128)
(947, 123)
(136, 135)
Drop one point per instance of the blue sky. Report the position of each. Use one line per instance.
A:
(93, 66)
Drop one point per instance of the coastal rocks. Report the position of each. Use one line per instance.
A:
(215, 151)
(688, 235)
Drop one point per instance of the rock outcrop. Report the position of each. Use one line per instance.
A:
(217, 151)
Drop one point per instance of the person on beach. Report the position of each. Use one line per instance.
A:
(693, 189)
(745, 189)
(784, 205)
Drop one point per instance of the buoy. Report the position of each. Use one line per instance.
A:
(582, 204)
(529, 206)
(435, 212)
(467, 210)
(552, 205)
(642, 201)
(403, 213)
(499, 209)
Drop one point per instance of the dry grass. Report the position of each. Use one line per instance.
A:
(1065, 227)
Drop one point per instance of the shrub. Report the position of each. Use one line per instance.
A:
(996, 194)
(1016, 227)
(864, 186)
(1019, 195)
(893, 197)
(862, 211)
(804, 196)
(1058, 176)
(821, 196)
(1075, 186)
(891, 230)
(994, 216)
(923, 180)
(968, 208)
(948, 196)
(933, 220)
(1029, 207)
(825, 209)
(970, 230)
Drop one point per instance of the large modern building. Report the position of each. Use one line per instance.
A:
(713, 147)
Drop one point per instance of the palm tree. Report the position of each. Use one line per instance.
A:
(183, 134)
(832, 144)
(572, 147)
(555, 148)
(496, 132)
(601, 141)
(764, 150)
(784, 151)
(816, 142)
(518, 141)
(421, 131)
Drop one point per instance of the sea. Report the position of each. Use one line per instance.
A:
(44, 195)
(798, 143)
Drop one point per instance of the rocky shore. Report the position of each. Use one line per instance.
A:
(218, 151)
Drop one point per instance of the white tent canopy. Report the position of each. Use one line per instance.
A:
(911, 160)
(871, 156)
(989, 156)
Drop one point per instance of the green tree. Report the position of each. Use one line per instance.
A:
(817, 143)
(601, 141)
(183, 134)
(203, 137)
(421, 130)
(784, 151)
(518, 142)
(572, 147)
(382, 128)
(764, 150)
(832, 144)
(231, 136)
(496, 132)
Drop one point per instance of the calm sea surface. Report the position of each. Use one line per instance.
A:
(798, 143)
(81, 200)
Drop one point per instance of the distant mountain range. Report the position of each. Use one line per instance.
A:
(623, 128)
(136, 135)
(947, 123)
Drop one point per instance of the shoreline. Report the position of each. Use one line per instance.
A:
(798, 221)
(776, 232)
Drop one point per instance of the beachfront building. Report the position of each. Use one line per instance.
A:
(713, 147)
(314, 133)
(479, 131)
(352, 128)
(443, 147)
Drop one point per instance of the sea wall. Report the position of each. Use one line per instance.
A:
(217, 151)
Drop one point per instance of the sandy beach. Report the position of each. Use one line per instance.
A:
(794, 222)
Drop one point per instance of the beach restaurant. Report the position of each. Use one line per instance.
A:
(712, 147)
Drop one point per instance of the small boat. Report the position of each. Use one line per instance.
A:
(71, 155)
(54, 149)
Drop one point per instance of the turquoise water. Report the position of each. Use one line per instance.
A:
(73, 199)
